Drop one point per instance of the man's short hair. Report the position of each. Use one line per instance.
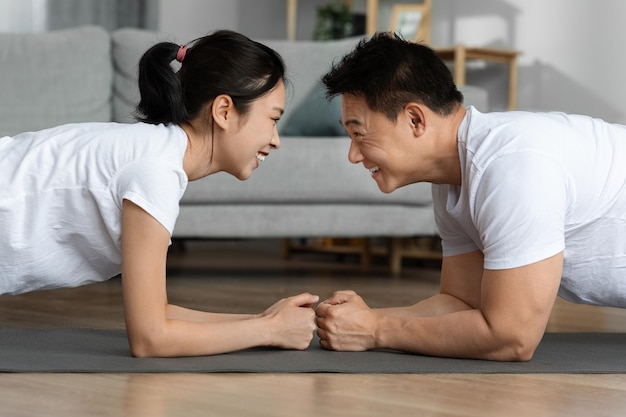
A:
(390, 72)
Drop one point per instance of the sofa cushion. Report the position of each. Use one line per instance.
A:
(304, 171)
(307, 62)
(128, 45)
(53, 78)
(315, 116)
(232, 221)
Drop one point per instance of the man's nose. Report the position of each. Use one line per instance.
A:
(354, 154)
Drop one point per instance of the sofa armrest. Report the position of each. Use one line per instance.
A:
(53, 78)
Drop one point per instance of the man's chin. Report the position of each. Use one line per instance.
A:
(386, 188)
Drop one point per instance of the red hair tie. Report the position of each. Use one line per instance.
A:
(182, 51)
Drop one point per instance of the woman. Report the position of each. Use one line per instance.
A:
(81, 203)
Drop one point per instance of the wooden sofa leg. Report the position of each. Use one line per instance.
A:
(286, 249)
(395, 256)
(366, 253)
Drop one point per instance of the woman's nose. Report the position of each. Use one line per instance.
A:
(275, 142)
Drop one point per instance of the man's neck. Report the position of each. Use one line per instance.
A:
(448, 163)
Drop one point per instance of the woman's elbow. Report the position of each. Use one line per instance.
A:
(146, 345)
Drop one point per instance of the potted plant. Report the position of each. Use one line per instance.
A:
(333, 21)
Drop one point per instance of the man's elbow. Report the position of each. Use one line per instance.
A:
(520, 351)
(517, 345)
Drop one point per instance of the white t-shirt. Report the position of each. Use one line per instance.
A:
(536, 184)
(61, 193)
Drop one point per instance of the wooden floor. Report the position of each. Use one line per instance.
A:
(248, 277)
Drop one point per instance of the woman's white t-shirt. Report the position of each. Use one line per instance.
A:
(536, 184)
(61, 193)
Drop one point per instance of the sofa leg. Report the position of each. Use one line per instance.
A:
(286, 249)
(366, 253)
(395, 256)
(424, 247)
(178, 245)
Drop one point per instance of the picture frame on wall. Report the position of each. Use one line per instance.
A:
(411, 21)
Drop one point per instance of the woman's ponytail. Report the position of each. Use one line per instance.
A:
(160, 87)
(224, 62)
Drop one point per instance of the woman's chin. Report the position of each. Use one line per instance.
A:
(242, 176)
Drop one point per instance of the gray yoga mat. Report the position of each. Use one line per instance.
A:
(96, 351)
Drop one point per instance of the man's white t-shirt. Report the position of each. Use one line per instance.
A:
(61, 193)
(536, 184)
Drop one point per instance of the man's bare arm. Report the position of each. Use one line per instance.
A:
(501, 316)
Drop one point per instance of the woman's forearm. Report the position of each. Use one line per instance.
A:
(288, 324)
(175, 338)
(175, 312)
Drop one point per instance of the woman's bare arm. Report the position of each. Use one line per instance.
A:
(156, 328)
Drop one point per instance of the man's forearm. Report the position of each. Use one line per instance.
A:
(437, 305)
(462, 334)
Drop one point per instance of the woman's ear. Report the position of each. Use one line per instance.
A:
(223, 111)
(416, 116)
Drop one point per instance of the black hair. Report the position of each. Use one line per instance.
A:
(224, 62)
(390, 72)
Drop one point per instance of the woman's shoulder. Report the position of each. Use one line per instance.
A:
(147, 139)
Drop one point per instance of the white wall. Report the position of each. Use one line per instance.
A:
(186, 20)
(582, 54)
(22, 16)
(572, 56)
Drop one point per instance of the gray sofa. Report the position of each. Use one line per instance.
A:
(306, 189)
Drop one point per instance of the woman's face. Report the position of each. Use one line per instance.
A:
(249, 144)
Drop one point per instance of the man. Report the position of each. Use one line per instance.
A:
(528, 206)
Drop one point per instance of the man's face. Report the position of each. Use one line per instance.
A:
(382, 146)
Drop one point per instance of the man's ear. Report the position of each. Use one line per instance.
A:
(223, 111)
(416, 116)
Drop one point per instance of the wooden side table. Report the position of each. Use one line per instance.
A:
(460, 54)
